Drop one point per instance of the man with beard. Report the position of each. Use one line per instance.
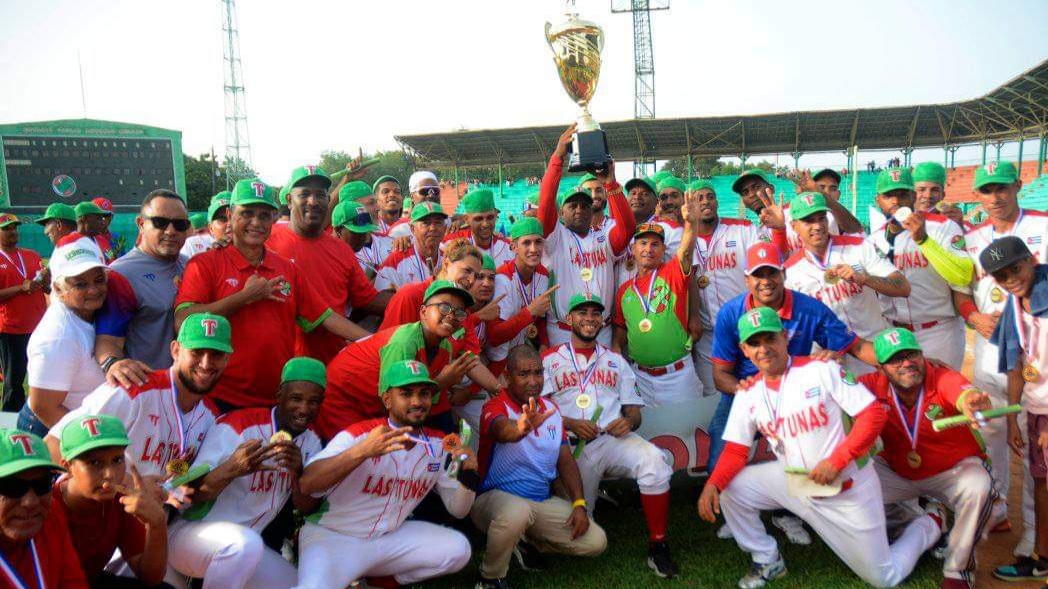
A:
(515, 508)
(327, 265)
(671, 198)
(589, 183)
(167, 417)
(581, 258)
(595, 389)
(218, 228)
(482, 215)
(58, 221)
(423, 187)
(256, 457)
(419, 261)
(371, 477)
(389, 201)
(929, 181)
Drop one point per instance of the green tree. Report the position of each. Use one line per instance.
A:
(206, 177)
(708, 166)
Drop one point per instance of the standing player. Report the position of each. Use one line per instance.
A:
(419, 261)
(372, 475)
(595, 389)
(256, 457)
(22, 305)
(390, 201)
(671, 200)
(423, 186)
(929, 182)
(91, 223)
(218, 227)
(797, 403)
(641, 196)
(351, 222)
(482, 215)
(582, 258)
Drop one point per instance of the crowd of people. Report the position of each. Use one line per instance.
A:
(336, 385)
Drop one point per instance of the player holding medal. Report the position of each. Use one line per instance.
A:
(652, 318)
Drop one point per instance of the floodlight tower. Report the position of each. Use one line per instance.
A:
(238, 146)
(643, 64)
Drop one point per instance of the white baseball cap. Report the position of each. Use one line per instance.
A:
(416, 179)
(74, 258)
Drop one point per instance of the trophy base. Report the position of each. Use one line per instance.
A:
(589, 151)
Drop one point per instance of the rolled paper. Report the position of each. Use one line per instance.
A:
(902, 214)
(582, 443)
(193, 474)
(339, 173)
(960, 420)
(796, 470)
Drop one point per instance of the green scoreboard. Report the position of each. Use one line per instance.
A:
(76, 160)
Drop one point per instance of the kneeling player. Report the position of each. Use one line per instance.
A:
(796, 404)
(372, 475)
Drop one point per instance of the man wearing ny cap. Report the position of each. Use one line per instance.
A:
(327, 266)
(595, 390)
(481, 214)
(58, 221)
(256, 457)
(423, 186)
(845, 272)
(35, 547)
(929, 183)
(651, 315)
(218, 227)
(582, 258)
(948, 466)
(362, 527)
(797, 404)
(266, 298)
(421, 259)
(23, 281)
(928, 249)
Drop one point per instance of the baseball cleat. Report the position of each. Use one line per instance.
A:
(660, 561)
(1024, 569)
(760, 574)
(937, 512)
(793, 527)
(724, 532)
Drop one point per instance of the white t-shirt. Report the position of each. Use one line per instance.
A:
(610, 383)
(61, 355)
(197, 244)
(721, 258)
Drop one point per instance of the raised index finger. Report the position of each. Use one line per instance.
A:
(551, 290)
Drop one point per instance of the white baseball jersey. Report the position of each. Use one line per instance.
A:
(857, 306)
(381, 493)
(626, 267)
(793, 240)
(251, 500)
(518, 296)
(153, 420)
(801, 419)
(403, 267)
(400, 228)
(604, 377)
(196, 244)
(1032, 227)
(371, 256)
(572, 256)
(721, 258)
(499, 251)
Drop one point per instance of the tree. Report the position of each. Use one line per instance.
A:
(708, 166)
(204, 178)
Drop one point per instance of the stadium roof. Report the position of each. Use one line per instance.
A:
(1017, 108)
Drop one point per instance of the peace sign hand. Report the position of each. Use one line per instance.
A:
(530, 419)
(141, 502)
(772, 215)
(541, 303)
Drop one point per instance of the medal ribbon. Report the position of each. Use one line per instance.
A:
(578, 247)
(520, 285)
(912, 431)
(1023, 340)
(178, 414)
(645, 301)
(16, 579)
(21, 262)
(823, 263)
(584, 378)
(778, 403)
(369, 258)
(704, 259)
(423, 268)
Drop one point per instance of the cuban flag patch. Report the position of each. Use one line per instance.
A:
(812, 392)
(1034, 240)
(730, 244)
(613, 364)
(433, 466)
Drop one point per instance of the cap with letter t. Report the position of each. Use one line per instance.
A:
(92, 431)
(892, 341)
(206, 331)
(404, 373)
(758, 320)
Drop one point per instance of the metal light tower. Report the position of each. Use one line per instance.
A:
(643, 63)
(238, 146)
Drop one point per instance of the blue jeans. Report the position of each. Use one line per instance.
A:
(28, 422)
(717, 425)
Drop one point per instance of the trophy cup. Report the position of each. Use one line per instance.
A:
(576, 46)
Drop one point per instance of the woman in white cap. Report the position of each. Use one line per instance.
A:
(62, 369)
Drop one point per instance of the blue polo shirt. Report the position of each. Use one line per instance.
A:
(525, 468)
(807, 321)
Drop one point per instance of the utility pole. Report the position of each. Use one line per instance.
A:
(238, 145)
(643, 66)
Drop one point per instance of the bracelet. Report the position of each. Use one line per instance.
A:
(108, 363)
(579, 503)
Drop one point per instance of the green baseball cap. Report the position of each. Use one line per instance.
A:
(426, 209)
(645, 182)
(252, 191)
(403, 373)
(671, 182)
(581, 299)
(58, 210)
(894, 179)
(587, 177)
(806, 204)
(306, 369)
(758, 320)
(440, 286)
(92, 431)
(567, 195)
(198, 220)
(480, 200)
(353, 216)
(995, 173)
(488, 263)
(21, 450)
(661, 175)
(533, 198)
(8, 219)
(701, 184)
(206, 331)
(930, 172)
(282, 196)
(303, 173)
(217, 204)
(381, 179)
(751, 173)
(892, 341)
(525, 226)
(88, 208)
(824, 171)
(353, 191)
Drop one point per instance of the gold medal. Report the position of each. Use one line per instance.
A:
(1030, 373)
(996, 295)
(913, 459)
(703, 281)
(532, 331)
(644, 325)
(176, 467)
(831, 277)
(583, 401)
(586, 274)
(280, 436)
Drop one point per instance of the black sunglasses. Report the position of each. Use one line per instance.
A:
(429, 190)
(13, 488)
(161, 223)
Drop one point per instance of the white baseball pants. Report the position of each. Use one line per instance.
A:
(674, 387)
(227, 556)
(631, 457)
(944, 341)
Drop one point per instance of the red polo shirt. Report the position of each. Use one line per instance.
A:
(264, 331)
(97, 533)
(20, 313)
(939, 451)
(58, 558)
(329, 266)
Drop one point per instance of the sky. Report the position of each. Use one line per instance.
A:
(346, 75)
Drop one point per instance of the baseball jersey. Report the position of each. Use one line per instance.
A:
(626, 266)
(197, 244)
(251, 500)
(599, 373)
(374, 252)
(659, 297)
(263, 333)
(721, 258)
(403, 308)
(157, 428)
(400, 228)
(526, 468)
(377, 496)
(404, 267)
(499, 251)
(329, 267)
(931, 297)
(518, 295)
(856, 305)
(20, 313)
(793, 240)
(802, 411)
(939, 451)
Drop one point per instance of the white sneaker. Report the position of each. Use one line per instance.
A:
(724, 533)
(937, 511)
(760, 574)
(794, 529)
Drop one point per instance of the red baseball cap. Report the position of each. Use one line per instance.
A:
(104, 204)
(763, 254)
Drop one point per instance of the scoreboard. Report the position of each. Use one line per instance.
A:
(76, 160)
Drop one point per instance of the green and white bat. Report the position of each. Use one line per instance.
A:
(582, 443)
(960, 420)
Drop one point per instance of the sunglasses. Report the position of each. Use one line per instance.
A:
(161, 223)
(429, 191)
(13, 488)
(446, 309)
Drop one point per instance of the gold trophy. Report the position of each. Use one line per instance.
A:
(576, 46)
